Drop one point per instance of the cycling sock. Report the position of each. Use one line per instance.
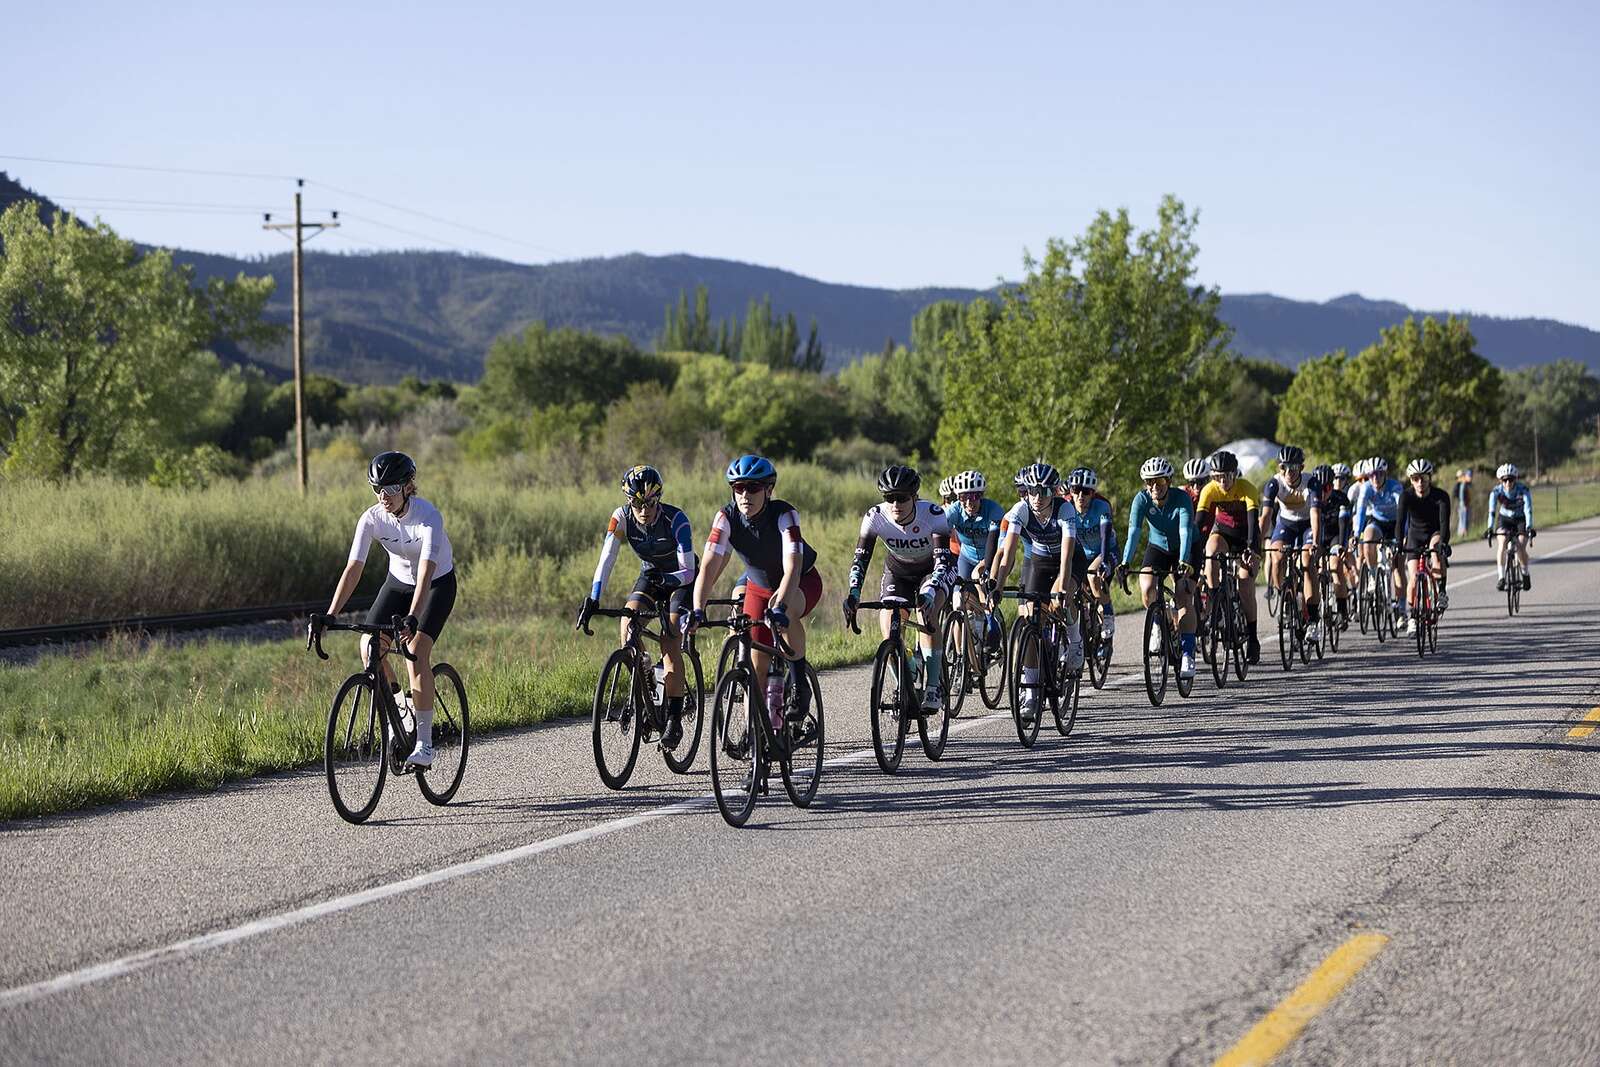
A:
(1313, 612)
(1186, 642)
(935, 665)
(1030, 676)
(1344, 605)
(1499, 570)
(425, 727)
(674, 706)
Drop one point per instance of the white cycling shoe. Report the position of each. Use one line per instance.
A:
(421, 756)
(1314, 633)
(1155, 640)
(1186, 667)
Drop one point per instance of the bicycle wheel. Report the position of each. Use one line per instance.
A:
(1065, 708)
(1363, 597)
(1333, 621)
(1096, 646)
(1155, 662)
(1028, 646)
(1285, 634)
(956, 640)
(615, 726)
(1513, 588)
(452, 736)
(736, 749)
(727, 656)
(1433, 628)
(681, 758)
(994, 665)
(802, 770)
(1272, 602)
(353, 752)
(887, 713)
(933, 728)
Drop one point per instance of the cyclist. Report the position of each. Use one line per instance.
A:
(1424, 524)
(947, 495)
(1377, 508)
(1096, 541)
(1235, 506)
(1510, 522)
(421, 584)
(917, 535)
(782, 584)
(975, 528)
(1335, 531)
(1291, 507)
(1171, 530)
(1345, 484)
(1196, 476)
(1041, 522)
(659, 535)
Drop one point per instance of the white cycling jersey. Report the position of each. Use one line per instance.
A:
(913, 545)
(417, 534)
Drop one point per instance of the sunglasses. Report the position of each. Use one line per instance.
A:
(388, 490)
(897, 498)
(748, 488)
(1291, 468)
(639, 503)
(1153, 482)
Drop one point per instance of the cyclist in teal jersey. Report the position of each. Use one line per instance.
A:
(1096, 541)
(975, 534)
(1168, 519)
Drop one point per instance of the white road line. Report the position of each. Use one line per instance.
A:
(1547, 555)
(138, 961)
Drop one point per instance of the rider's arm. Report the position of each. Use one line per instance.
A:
(419, 598)
(608, 556)
(1402, 518)
(1005, 553)
(1135, 521)
(715, 559)
(863, 558)
(366, 530)
(1253, 531)
(794, 552)
(943, 560)
(684, 537)
(1314, 502)
(1108, 535)
(1527, 506)
(1185, 529)
(1069, 545)
(1361, 507)
(1444, 517)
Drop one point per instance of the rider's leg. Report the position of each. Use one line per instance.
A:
(422, 693)
(383, 664)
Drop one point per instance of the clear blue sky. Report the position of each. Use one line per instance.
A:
(1442, 155)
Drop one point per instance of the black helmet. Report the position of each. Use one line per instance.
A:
(1224, 462)
(1324, 475)
(898, 479)
(1292, 456)
(1039, 475)
(641, 482)
(390, 468)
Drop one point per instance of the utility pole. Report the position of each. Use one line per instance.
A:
(299, 227)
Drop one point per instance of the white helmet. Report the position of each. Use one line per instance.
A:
(1419, 466)
(1379, 464)
(1506, 470)
(1156, 467)
(1083, 478)
(944, 489)
(1341, 470)
(1197, 469)
(968, 482)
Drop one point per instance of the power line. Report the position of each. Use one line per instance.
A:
(157, 170)
(90, 199)
(435, 218)
(413, 233)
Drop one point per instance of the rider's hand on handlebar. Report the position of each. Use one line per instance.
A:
(408, 626)
(693, 621)
(586, 612)
(777, 618)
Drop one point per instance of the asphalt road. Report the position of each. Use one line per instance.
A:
(1143, 891)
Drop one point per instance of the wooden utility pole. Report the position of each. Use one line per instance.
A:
(299, 227)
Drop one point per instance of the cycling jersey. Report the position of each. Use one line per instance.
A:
(918, 548)
(1170, 521)
(762, 542)
(1518, 504)
(1039, 536)
(415, 535)
(1423, 516)
(1335, 507)
(665, 547)
(978, 534)
(1381, 503)
(1294, 503)
(1232, 508)
(1092, 529)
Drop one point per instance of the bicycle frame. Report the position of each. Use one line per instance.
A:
(377, 649)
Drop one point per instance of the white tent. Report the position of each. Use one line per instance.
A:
(1255, 453)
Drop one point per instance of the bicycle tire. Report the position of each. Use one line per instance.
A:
(736, 747)
(992, 679)
(955, 639)
(615, 721)
(933, 729)
(1155, 663)
(452, 736)
(352, 765)
(1285, 637)
(1026, 636)
(727, 656)
(1272, 602)
(679, 760)
(802, 768)
(1096, 646)
(1065, 709)
(888, 716)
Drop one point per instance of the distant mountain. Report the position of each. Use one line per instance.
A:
(434, 314)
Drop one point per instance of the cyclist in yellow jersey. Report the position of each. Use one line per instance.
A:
(1235, 504)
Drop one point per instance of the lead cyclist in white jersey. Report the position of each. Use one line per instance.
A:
(917, 534)
(421, 585)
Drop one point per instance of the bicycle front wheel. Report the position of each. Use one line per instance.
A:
(1065, 708)
(354, 751)
(803, 769)
(1155, 659)
(616, 727)
(1028, 698)
(452, 736)
(693, 719)
(1286, 613)
(888, 712)
(956, 640)
(995, 669)
(735, 747)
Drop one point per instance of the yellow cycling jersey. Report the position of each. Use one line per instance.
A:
(1230, 505)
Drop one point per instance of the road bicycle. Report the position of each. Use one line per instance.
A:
(1039, 636)
(1377, 598)
(730, 644)
(1226, 625)
(898, 686)
(1334, 620)
(974, 659)
(1096, 644)
(1514, 571)
(1426, 607)
(630, 704)
(1294, 616)
(744, 740)
(369, 735)
(1160, 618)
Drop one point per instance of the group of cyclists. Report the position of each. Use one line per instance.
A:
(1333, 517)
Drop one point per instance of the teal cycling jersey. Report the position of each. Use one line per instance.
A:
(976, 532)
(1092, 529)
(1169, 521)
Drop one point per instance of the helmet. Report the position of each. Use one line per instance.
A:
(1363, 468)
(1340, 470)
(1379, 464)
(752, 469)
(1292, 456)
(1083, 478)
(945, 492)
(1039, 475)
(1323, 475)
(1196, 469)
(1418, 466)
(1224, 462)
(968, 482)
(642, 482)
(1506, 470)
(898, 479)
(390, 468)
(1156, 467)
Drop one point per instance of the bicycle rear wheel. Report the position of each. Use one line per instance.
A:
(1065, 709)
(1214, 646)
(956, 639)
(736, 751)
(887, 713)
(995, 665)
(354, 750)
(693, 719)
(452, 736)
(615, 727)
(1286, 632)
(1155, 662)
(1096, 646)
(933, 728)
(802, 770)
(1028, 645)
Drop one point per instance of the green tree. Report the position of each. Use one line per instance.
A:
(541, 367)
(931, 325)
(1094, 358)
(1316, 414)
(1249, 396)
(897, 398)
(103, 362)
(1547, 408)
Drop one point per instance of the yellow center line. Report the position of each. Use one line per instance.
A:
(1283, 1024)
(1589, 723)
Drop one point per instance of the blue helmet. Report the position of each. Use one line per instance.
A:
(752, 469)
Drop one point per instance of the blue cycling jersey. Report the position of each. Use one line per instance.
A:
(973, 531)
(1379, 503)
(1171, 520)
(1518, 502)
(1092, 529)
(1039, 536)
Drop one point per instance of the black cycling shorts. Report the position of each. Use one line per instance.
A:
(1511, 524)
(1160, 560)
(395, 599)
(1039, 574)
(648, 589)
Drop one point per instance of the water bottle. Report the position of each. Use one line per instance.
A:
(658, 685)
(775, 680)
